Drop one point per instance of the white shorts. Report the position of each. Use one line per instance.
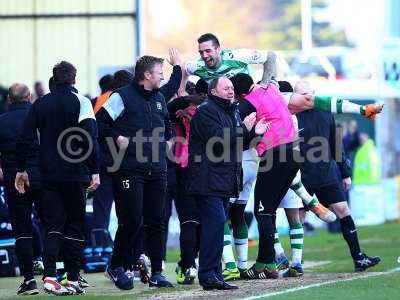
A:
(250, 163)
(291, 200)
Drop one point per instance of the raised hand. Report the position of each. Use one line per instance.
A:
(262, 126)
(94, 183)
(21, 181)
(174, 57)
(346, 183)
(249, 121)
(122, 142)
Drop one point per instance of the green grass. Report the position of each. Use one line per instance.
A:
(385, 287)
(382, 240)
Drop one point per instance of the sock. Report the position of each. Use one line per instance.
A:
(335, 105)
(270, 266)
(51, 278)
(349, 232)
(227, 254)
(266, 229)
(72, 276)
(188, 243)
(259, 266)
(298, 187)
(278, 246)
(240, 236)
(24, 252)
(296, 241)
(350, 107)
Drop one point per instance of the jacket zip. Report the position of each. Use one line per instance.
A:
(151, 126)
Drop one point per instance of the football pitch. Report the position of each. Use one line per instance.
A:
(328, 274)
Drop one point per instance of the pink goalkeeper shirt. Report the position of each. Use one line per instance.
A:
(269, 103)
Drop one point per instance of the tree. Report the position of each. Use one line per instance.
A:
(268, 24)
(283, 29)
(235, 24)
(322, 32)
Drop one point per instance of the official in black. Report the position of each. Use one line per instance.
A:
(214, 173)
(136, 126)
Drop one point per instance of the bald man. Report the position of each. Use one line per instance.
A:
(212, 181)
(20, 205)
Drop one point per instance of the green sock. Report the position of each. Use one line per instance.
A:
(338, 106)
(313, 203)
(270, 266)
(298, 187)
(322, 103)
(259, 266)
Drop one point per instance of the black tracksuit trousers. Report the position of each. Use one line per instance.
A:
(139, 199)
(188, 213)
(20, 209)
(63, 216)
(277, 169)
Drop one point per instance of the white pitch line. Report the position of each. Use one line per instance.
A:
(300, 288)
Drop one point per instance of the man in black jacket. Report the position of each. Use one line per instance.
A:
(322, 156)
(68, 163)
(136, 119)
(20, 205)
(214, 173)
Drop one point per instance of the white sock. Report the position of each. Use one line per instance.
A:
(228, 258)
(298, 187)
(350, 107)
(242, 247)
(278, 246)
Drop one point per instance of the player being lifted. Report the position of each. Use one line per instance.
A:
(215, 62)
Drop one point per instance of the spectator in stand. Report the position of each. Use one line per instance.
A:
(39, 90)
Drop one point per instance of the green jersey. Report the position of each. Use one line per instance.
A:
(233, 61)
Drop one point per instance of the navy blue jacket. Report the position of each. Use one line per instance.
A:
(172, 86)
(134, 112)
(68, 136)
(315, 125)
(205, 176)
(10, 125)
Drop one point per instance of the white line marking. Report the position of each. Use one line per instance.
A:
(300, 288)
